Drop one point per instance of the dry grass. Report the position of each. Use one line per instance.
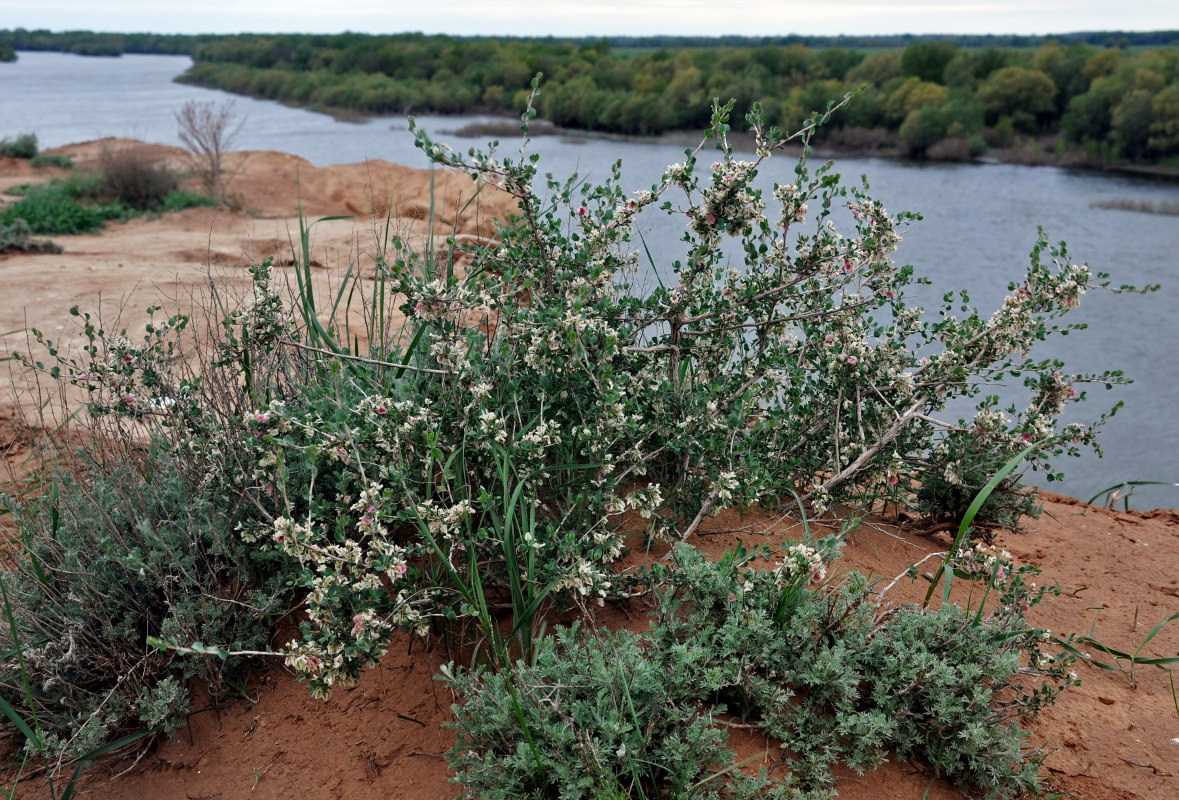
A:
(1145, 206)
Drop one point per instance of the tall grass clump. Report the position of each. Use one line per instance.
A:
(518, 402)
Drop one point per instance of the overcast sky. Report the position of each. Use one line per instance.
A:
(594, 17)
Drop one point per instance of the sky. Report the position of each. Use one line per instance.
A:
(594, 17)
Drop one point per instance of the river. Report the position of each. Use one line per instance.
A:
(980, 221)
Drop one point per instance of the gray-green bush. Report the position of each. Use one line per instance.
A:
(17, 235)
(23, 146)
(824, 669)
(119, 541)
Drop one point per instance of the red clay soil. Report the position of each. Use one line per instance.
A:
(1115, 737)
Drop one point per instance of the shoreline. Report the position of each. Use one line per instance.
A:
(1031, 152)
(1027, 151)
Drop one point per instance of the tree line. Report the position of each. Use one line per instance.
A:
(1107, 102)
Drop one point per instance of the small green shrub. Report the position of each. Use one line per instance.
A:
(596, 717)
(180, 200)
(42, 160)
(112, 555)
(48, 210)
(17, 236)
(23, 146)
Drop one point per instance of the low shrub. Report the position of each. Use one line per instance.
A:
(180, 200)
(826, 670)
(131, 178)
(112, 556)
(121, 545)
(50, 210)
(594, 717)
(43, 160)
(17, 236)
(126, 185)
(23, 146)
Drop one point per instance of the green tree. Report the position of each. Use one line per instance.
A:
(912, 95)
(928, 59)
(1088, 115)
(838, 61)
(1164, 131)
(969, 67)
(1064, 66)
(1131, 121)
(1018, 89)
(922, 129)
(877, 69)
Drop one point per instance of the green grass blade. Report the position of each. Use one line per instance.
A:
(968, 519)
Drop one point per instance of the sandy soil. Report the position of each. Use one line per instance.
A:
(1116, 737)
(169, 260)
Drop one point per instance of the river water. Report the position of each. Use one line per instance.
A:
(980, 221)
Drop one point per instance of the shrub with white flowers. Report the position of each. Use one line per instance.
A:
(486, 455)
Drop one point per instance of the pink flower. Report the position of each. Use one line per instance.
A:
(892, 480)
(382, 410)
(357, 624)
(581, 210)
(853, 360)
(128, 358)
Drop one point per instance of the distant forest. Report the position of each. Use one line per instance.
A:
(1104, 95)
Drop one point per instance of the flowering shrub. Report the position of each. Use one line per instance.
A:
(485, 455)
(488, 453)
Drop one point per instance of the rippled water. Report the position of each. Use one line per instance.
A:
(980, 222)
